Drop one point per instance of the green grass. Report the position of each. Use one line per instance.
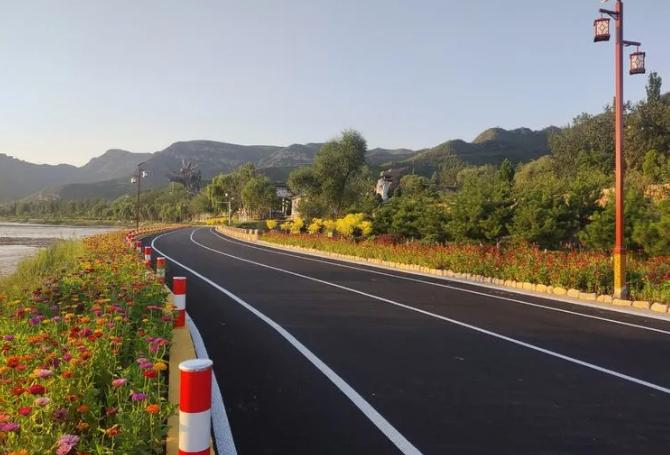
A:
(30, 273)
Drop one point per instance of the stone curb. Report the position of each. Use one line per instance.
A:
(576, 294)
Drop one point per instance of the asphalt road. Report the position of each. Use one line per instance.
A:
(316, 356)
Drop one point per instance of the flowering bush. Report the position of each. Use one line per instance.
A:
(352, 225)
(82, 361)
(271, 224)
(297, 225)
(315, 226)
(586, 271)
(216, 221)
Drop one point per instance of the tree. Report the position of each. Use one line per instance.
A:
(482, 210)
(328, 185)
(258, 195)
(599, 233)
(542, 215)
(587, 143)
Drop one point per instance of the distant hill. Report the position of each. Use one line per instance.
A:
(108, 176)
(491, 147)
(20, 178)
(112, 164)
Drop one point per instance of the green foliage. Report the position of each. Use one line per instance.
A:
(587, 143)
(332, 184)
(599, 233)
(408, 217)
(258, 196)
(482, 209)
(653, 233)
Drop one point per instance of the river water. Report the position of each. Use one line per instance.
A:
(18, 240)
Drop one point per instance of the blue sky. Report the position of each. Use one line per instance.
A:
(80, 76)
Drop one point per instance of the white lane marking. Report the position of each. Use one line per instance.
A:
(446, 286)
(452, 321)
(366, 408)
(223, 435)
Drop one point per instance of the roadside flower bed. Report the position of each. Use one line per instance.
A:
(586, 271)
(83, 358)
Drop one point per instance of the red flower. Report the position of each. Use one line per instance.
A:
(26, 410)
(150, 373)
(13, 362)
(16, 391)
(37, 389)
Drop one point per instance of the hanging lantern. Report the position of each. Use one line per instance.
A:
(637, 63)
(601, 29)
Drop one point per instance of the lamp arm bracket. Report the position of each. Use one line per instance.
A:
(631, 43)
(613, 14)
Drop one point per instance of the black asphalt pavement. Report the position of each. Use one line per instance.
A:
(453, 368)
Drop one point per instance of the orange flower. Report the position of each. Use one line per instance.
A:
(113, 431)
(81, 426)
(82, 409)
(153, 408)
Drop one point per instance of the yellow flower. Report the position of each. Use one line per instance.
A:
(160, 366)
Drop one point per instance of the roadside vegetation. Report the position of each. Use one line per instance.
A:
(84, 338)
(562, 202)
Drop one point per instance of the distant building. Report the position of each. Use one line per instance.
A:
(388, 181)
(295, 203)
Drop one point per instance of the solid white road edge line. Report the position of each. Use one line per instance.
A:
(366, 408)
(453, 321)
(469, 291)
(224, 436)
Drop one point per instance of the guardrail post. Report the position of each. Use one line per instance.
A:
(138, 246)
(179, 291)
(160, 269)
(195, 403)
(147, 256)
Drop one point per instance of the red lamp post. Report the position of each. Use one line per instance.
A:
(601, 27)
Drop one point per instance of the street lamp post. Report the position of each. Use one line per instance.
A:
(137, 178)
(601, 28)
(229, 208)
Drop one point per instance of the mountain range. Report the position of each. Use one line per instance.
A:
(108, 176)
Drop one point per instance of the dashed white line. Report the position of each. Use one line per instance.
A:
(452, 321)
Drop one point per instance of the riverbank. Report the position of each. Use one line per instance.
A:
(20, 240)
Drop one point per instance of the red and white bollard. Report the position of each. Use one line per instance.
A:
(147, 256)
(179, 291)
(160, 269)
(195, 403)
(138, 246)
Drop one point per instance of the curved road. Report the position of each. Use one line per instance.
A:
(316, 356)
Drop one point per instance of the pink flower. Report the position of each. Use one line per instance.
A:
(119, 382)
(42, 373)
(42, 401)
(66, 443)
(7, 427)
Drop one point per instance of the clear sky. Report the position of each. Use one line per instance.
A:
(78, 77)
